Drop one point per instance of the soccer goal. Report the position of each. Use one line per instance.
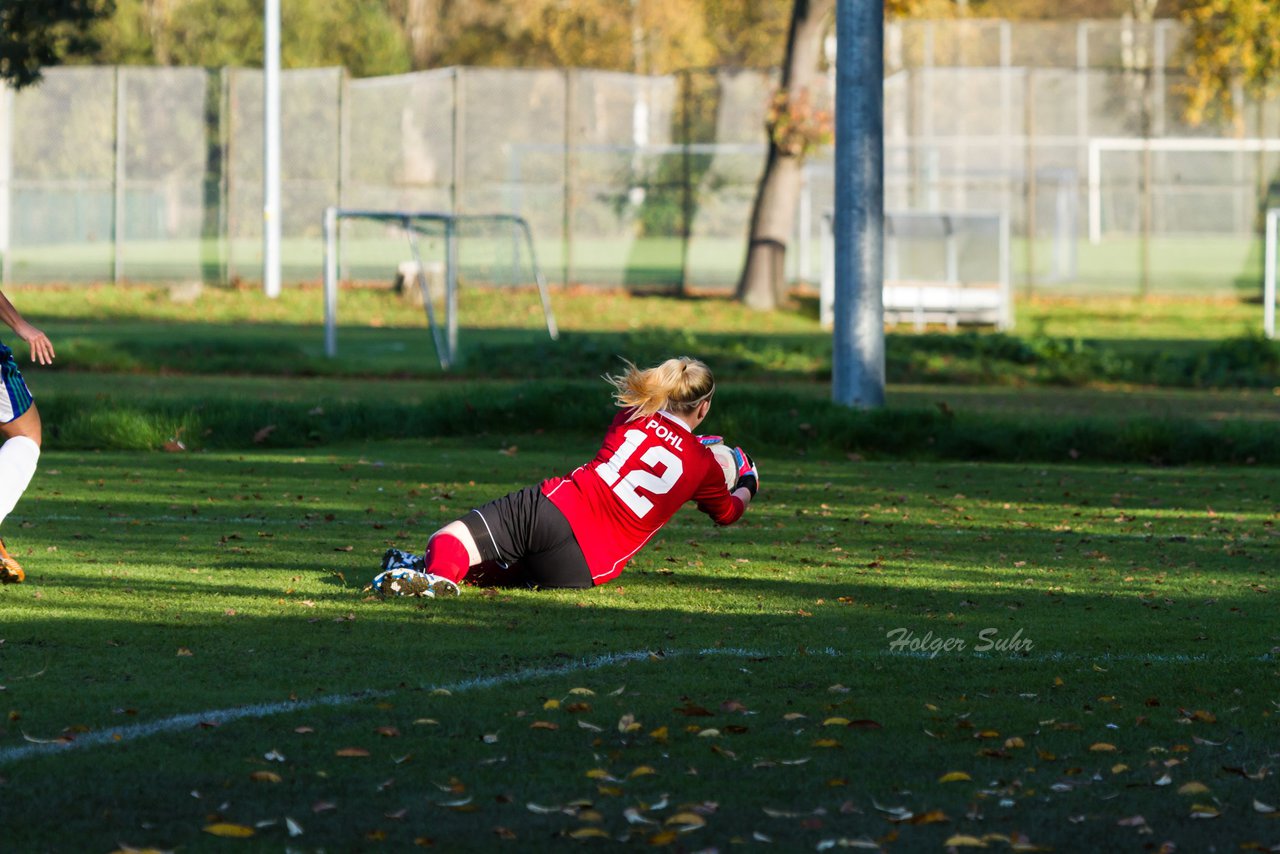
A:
(1269, 274)
(415, 225)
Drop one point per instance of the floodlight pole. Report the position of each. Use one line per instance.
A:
(271, 149)
(857, 376)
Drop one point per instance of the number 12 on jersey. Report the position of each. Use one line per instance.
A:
(664, 470)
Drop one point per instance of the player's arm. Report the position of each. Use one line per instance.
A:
(41, 347)
(744, 489)
(727, 506)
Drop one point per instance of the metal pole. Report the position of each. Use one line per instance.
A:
(331, 281)
(117, 190)
(6, 180)
(271, 150)
(858, 341)
(450, 289)
(1269, 281)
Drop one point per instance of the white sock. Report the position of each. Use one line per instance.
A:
(18, 458)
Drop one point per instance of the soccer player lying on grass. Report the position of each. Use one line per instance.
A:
(19, 426)
(581, 529)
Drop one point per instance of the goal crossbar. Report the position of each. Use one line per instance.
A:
(1099, 145)
(414, 224)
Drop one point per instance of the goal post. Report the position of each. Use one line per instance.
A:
(415, 224)
(1269, 249)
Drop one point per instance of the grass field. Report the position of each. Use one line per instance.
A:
(892, 651)
(745, 675)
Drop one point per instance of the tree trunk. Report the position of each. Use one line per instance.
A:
(763, 283)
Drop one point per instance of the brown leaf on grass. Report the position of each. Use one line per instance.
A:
(544, 725)
(930, 817)
(351, 752)
(183, 652)
(261, 435)
(685, 820)
(692, 710)
(1102, 747)
(961, 840)
(954, 777)
(343, 548)
(589, 833)
(1204, 811)
(266, 777)
(1192, 788)
(865, 723)
(228, 830)
(388, 732)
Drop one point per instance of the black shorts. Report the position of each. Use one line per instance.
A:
(525, 527)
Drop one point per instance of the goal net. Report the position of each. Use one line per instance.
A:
(489, 236)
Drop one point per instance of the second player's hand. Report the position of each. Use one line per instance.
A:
(41, 346)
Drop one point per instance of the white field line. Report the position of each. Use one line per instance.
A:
(134, 732)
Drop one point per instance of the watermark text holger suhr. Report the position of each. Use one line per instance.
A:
(985, 640)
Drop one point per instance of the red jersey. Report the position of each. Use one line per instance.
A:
(643, 473)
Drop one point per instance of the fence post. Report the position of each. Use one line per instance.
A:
(566, 228)
(6, 181)
(1029, 102)
(118, 179)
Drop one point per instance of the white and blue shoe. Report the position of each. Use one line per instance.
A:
(411, 582)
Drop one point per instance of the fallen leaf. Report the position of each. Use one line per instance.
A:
(230, 831)
(1204, 811)
(261, 435)
(544, 725)
(266, 777)
(686, 821)
(963, 841)
(1192, 788)
(351, 751)
(588, 833)
(1102, 747)
(954, 777)
(1259, 806)
(293, 827)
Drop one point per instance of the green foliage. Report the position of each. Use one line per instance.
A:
(1231, 42)
(35, 34)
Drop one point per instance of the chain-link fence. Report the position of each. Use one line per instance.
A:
(1074, 131)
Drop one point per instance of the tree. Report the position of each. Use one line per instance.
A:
(1230, 42)
(794, 128)
(35, 34)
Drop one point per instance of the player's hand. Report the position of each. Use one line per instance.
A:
(41, 346)
(711, 440)
(748, 476)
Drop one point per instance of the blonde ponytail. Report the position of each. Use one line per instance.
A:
(678, 385)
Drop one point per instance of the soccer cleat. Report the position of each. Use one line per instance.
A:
(411, 582)
(10, 570)
(398, 559)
